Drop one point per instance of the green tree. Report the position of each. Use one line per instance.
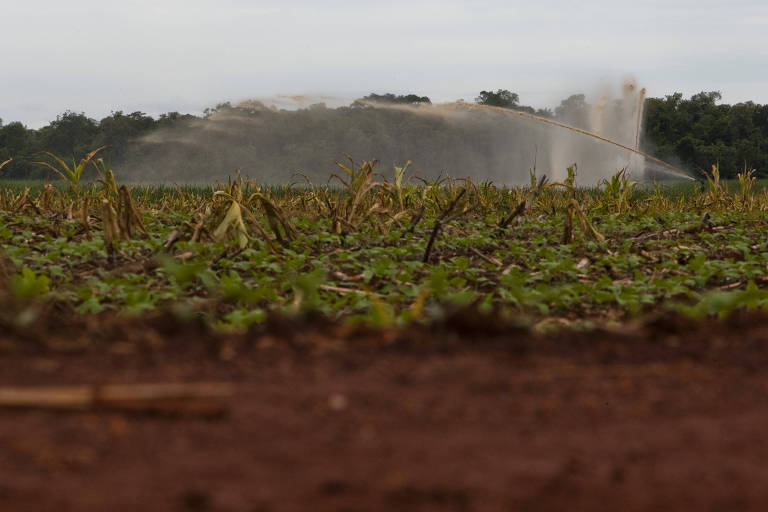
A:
(501, 98)
(17, 142)
(70, 135)
(117, 130)
(392, 99)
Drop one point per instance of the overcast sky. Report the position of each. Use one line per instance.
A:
(97, 56)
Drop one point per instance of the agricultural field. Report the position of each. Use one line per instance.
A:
(389, 252)
(576, 345)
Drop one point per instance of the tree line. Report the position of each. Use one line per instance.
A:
(693, 133)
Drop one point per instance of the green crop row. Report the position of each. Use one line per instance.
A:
(388, 251)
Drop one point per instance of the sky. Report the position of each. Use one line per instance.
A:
(99, 56)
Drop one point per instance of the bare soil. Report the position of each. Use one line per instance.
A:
(467, 415)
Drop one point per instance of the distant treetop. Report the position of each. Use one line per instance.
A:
(508, 99)
(401, 99)
(501, 98)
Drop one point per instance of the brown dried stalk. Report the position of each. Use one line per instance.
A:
(503, 223)
(443, 219)
(197, 399)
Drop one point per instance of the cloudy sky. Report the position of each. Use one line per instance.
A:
(98, 56)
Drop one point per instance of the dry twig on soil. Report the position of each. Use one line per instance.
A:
(443, 219)
(202, 399)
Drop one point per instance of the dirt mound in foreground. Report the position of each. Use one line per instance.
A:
(470, 414)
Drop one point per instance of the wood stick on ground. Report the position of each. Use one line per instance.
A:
(416, 218)
(173, 237)
(202, 399)
(509, 268)
(489, 259)
(664, 233)
(197, 228)
(341, 276)
(345, 291)
(503, 223)
(441, 220)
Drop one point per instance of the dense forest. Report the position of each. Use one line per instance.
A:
(274, 144)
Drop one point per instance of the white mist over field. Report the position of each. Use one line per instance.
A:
(618, 119)
(271, 143)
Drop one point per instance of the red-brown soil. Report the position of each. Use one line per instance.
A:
(466, 415)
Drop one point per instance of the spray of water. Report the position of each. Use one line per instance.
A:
(615, 124)
(638, 128)
(531, 117)
(458, 139)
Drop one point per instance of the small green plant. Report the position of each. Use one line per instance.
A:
(359, 182)
(618, 191)
(181, 274)
(28, 285)
(70, 174)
